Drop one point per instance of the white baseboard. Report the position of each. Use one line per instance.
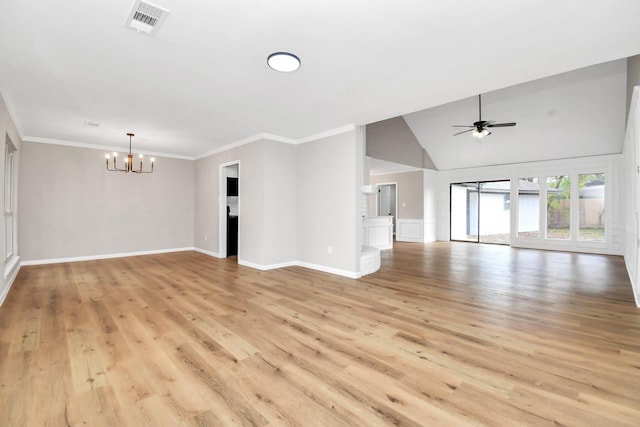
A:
(267, 267)
(206, 252)
(325, 269)
(107, 256)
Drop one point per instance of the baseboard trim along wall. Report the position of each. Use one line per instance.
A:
(107, 256)
(206, 252)
(324, 269)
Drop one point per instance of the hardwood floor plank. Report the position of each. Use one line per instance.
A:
(444, 334)
(88, 370)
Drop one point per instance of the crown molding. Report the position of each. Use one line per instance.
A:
(244, 141)
(277, 138)
(100, 147)
(326, 134)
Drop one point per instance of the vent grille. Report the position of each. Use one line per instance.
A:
(146, 17)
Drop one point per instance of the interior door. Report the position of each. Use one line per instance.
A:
(387, 202)
(384, 200)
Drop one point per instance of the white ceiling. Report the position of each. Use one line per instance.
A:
(202, 82)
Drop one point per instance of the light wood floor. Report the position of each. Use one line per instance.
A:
(444, 334)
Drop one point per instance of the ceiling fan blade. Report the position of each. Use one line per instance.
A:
(500, 125)
(464, 131)
(462, 126)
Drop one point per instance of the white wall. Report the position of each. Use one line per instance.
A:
(430, 206)
(7, 128)
(71, 207)
(614, 198)
(631, 186)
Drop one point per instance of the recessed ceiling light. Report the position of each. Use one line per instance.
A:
(283, 61)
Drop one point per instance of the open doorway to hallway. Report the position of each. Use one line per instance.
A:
(481, 212)
(229, 212)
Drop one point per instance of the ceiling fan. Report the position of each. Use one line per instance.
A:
(479, 128)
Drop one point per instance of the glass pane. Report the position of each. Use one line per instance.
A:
(558, 207)
(464, 212)
(495, 212)
(528, 207)
(591, 225)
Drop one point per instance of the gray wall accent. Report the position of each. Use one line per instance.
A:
(280, 219)
(251, 201)
(292, 204)
(410, 193)
(630, 189)
(328, 182)
(392, 140)
(633, 78)
(72, 207)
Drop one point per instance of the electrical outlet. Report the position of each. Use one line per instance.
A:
(329, 250)
(205, 237)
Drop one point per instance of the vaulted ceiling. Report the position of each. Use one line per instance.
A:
(202, 81)
(575, 114)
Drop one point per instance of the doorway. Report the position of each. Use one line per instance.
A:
(229, 209)
(387, 202)
(481, 212)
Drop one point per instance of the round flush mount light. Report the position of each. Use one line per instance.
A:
(283, 61)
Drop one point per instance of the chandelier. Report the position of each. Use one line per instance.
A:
(128, 162)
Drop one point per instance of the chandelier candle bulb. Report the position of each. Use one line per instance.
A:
(128, 162)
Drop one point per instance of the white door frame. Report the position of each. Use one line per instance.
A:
(222, 208)
(395, 218)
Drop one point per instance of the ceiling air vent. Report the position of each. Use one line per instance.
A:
(146, 17)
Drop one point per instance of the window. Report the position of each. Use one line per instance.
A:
(559, 207)
(9, 220)
(506, 202)
(528, 208)
(591, 223)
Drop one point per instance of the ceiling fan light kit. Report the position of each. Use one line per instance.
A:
(479, 129)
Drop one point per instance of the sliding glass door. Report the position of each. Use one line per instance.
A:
(480, 212)
(464, 211)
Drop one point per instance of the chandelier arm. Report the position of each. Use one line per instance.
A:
(128, 167)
